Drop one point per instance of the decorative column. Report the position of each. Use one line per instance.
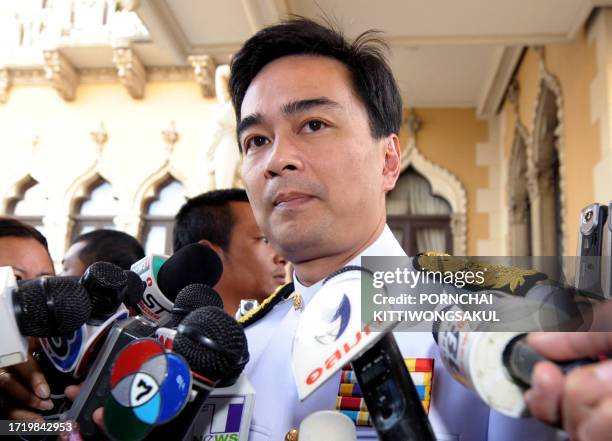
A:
(60, 73)
(204, 70)
(130, 70)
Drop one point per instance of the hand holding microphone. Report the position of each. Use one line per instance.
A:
(45, 307)
(147, 391)
(580, 401)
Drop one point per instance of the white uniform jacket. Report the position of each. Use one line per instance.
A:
(456, 413)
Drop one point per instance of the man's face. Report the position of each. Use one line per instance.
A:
(315, 176)
(250, 261)
(72, 265)
(27, 256)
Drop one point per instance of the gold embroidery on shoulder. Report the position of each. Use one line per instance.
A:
(505, 278)
(266, 305)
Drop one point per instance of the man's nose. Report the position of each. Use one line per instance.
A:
(278, 259)
(284, 156)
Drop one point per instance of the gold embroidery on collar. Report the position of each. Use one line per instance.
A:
(298, 303)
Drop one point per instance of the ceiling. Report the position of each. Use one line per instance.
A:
(444, 53)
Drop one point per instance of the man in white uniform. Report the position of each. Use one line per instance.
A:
(318, 120)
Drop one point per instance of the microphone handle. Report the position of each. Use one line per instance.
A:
(520, 359)
(180, 428)
(392, 400)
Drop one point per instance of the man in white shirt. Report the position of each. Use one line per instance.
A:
(318, 121)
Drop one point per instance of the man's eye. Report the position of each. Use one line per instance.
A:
(254, 142)
(264, 239)
(314, 125)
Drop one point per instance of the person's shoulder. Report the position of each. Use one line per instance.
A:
(478, 273)
(281, 293)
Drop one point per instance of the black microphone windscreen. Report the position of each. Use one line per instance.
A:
(51, 306)
(106, 284)
(193, 263)
(190, 298)
(227, 334)
(134, 290)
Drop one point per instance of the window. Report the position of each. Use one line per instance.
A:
(159, 218)
(97, 210)
(419, 220)
(30, 204)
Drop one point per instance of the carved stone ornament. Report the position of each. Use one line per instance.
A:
(5, 85)
(204, 70)
(513, 94)
(446, 185)
(100, 136)
(130, 70)
(519, 211)
(61, 74)
(170, 137)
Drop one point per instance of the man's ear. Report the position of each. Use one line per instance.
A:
(216, 248)
(392, 162)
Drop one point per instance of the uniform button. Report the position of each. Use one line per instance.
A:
(292, 435)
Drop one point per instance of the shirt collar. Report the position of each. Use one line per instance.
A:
(385, 245)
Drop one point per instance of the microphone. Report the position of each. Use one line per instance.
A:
(106, 284)
(134, 291)
(45, 307)
(66, 358)
(497, 366)
(327, 424)
(214, 345)
(390, 394)
(95, 388)
(590, 244)
(166, 276)
(330, 334)
(190, 298)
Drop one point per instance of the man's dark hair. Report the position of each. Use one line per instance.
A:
(207, 216)
(365, 59)
(10, 227)
(109, 246)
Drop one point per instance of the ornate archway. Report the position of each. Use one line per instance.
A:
(446, 185)
(546, 168)
(519, 202)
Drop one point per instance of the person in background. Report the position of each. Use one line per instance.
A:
(224, 221)
(23, 389)
(101, 246)
(25, 249)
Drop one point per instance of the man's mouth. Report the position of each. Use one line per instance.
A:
(291, 200)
